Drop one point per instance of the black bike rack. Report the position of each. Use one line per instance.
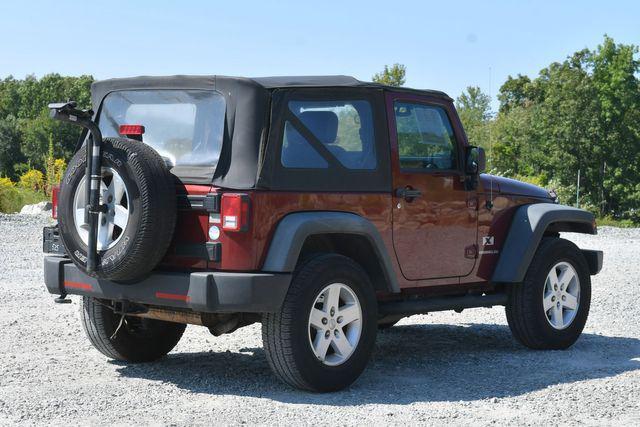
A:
(67, 112)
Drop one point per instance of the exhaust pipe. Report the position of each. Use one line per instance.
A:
(218, 323)
(157, 313)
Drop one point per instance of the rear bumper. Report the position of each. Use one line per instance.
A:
(213, 292)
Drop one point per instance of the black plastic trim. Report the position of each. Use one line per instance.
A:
(528, 226)
(211, 251)
(190, 202)
(51, 241)
(294, 229)
(207, 291)
(594, 260)
(428, 305)
(209, 202)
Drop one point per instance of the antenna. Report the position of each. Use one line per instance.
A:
(578, 191)
(490, 201)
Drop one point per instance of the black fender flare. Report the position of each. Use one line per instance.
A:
(528, 226)
(293, 230)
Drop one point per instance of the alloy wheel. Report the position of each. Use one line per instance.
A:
(561, 297)
(335, 324)
(111, 225)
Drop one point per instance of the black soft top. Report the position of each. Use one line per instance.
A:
(100, 89)
(335, 81)
(247, 116)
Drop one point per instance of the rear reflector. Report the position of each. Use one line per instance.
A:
(78, 285)
(234, 211)
(131, 130)
(54, 201)
(177, 297)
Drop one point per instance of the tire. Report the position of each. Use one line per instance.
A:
(287, 334)
(137, 340)
(139, 243)
(553, 329)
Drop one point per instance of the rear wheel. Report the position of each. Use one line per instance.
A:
(550, 308)
(136, 339)
(322, 337)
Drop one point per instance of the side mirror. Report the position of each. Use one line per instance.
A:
(476, 160)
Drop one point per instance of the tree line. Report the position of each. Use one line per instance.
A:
(577, 118)
(580, 115)
(28, 137)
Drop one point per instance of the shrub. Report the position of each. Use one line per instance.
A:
(55, 170)
(6, 183)
(8, 194)
(32, 180)
(13, 197)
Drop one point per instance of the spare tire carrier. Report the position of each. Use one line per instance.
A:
(67, 112)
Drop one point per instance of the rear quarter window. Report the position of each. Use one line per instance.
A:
(336, 131)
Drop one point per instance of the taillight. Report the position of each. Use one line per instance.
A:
(54, 201)
(234, 212)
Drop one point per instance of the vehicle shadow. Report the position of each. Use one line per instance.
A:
(414, 363)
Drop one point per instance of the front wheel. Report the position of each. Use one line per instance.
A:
(550, 308)
(323, 335)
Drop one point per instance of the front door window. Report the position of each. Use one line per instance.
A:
(425, 137)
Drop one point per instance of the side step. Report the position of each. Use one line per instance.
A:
(426, 305)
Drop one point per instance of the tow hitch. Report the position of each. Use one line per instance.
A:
(67, 112)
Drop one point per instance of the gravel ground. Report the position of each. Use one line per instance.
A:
(445, 367)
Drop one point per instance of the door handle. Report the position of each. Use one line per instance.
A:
(408, 193)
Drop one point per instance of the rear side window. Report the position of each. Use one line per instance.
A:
(329, 132)
(186, 127)
(425, 137)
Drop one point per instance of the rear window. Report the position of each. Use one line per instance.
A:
(186, 127)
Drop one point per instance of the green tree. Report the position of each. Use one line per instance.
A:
(516, 92)
(9, 98)
(579, 114)
(474, 109)
(10, 139)
(391, 76)
(27, 100)
(36, 135)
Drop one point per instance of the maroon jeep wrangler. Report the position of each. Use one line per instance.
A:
(324, 207)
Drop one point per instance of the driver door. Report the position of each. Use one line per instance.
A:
(434, 215)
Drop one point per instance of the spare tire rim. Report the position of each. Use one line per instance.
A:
(561, 296)
(335, 324)
(113, 223)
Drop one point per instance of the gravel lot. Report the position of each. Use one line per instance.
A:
(445, 367)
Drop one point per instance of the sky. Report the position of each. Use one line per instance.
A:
(445, 45)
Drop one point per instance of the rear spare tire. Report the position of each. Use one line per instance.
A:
(136, 230)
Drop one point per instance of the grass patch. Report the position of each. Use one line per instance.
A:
(614, 222)
(13, 198)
